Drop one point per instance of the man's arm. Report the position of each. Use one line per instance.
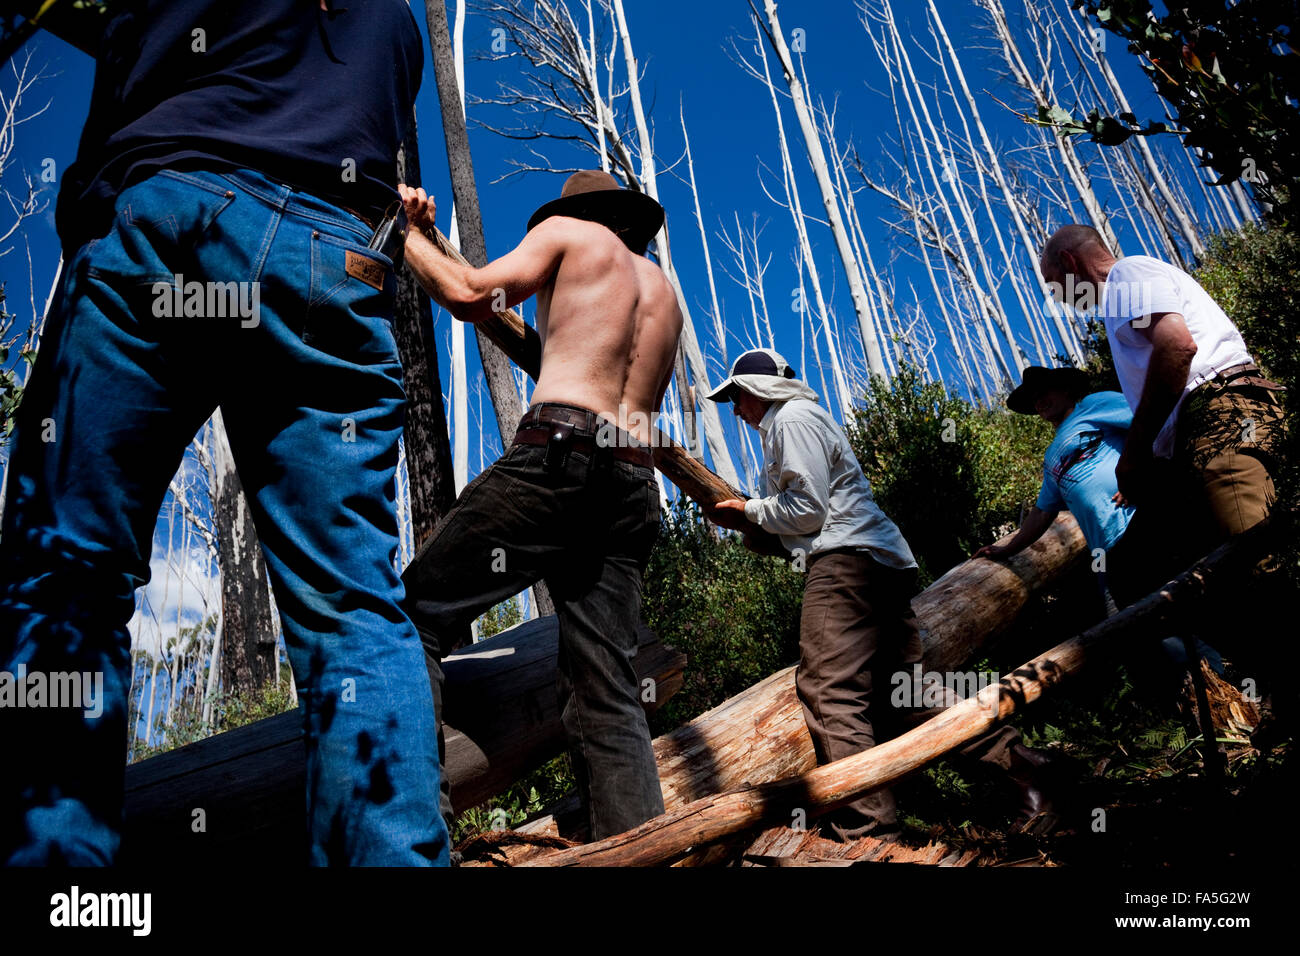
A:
(468, 293)
(1172, 350)
(1032, 528)
(803, 501)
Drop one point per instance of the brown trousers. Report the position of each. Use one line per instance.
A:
(1218, 483)
(858, 642)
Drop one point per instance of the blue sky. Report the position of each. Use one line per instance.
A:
(683, 48)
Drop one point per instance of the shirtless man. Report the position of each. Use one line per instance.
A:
(566, 502)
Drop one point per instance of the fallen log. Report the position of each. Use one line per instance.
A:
(760, 735)
(784, 846)
(718, 817)
(502, 721)
(523, 346)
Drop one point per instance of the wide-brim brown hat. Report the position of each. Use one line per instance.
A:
(1038, 380)
(596, 196)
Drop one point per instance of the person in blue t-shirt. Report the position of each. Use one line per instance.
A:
(1079, 465)
(1079, 472)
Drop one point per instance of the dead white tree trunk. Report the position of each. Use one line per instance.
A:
(719, 330)
(994, 167)
(817, 159)
(1176, 209)
(1038, 90)
(694, 356)
(842, 393)
(986, 293)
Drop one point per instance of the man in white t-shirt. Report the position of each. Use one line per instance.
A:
(1207, 426)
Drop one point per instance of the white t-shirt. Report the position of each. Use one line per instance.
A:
(1140, 286)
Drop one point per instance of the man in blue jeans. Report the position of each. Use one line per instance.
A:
(243, 152)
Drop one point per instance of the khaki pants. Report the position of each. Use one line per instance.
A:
(857, 632)
(1218, 483)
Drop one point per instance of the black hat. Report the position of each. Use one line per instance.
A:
(1038, 380)
(597, 197)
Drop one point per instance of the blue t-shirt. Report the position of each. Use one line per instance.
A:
(316, 99)
(1079, 467)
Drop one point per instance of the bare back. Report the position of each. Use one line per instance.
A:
(609, 323)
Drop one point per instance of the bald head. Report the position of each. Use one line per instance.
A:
(1074, 262)
(1079, 240)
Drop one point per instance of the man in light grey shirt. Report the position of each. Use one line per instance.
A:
(819, 499)
(858, 637)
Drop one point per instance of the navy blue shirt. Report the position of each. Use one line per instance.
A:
(316, 99)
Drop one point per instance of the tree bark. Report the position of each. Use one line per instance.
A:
(249, 659)
(428, 452)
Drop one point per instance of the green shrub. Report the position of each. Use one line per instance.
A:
(1254, 276)
(500, 617)
(734, 613)
(951, 475)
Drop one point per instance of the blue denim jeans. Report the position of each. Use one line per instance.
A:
(310, 389)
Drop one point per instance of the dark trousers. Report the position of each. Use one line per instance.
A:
(586, 524)
(857, 634)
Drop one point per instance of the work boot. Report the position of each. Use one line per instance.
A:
(1031, 772)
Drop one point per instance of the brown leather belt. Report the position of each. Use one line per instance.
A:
(365, 219)
(562, 429)
(1227, 375)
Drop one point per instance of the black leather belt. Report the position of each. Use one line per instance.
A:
(563, 429)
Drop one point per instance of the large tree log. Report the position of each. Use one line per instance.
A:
(502, 721)
(760, 735)
(713, 818)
